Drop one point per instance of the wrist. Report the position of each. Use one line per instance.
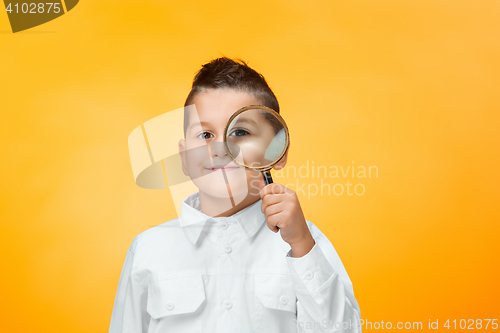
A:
(302, 247)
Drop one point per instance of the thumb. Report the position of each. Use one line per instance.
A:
(262, 184)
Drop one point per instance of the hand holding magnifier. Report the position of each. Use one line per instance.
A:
(256, 137)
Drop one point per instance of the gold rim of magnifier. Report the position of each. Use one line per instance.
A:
(271, 111)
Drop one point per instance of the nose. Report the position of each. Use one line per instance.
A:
(217, 149)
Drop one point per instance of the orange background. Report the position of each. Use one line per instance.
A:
(411, 87)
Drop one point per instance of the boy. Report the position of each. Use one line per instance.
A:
(232, 270)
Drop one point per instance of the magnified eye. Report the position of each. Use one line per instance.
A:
(239, 132)
(205, 135)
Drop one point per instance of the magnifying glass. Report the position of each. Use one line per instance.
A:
(256, 137)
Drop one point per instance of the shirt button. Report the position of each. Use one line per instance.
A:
(227, 248)
(170, 306)
(309, 275)
(283, 300)
(228, 304)
(223, 225)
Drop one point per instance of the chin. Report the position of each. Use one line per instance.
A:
(215, 185)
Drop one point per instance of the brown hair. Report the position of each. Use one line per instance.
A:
(231, 73)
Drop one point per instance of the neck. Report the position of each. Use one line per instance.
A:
(213, 206)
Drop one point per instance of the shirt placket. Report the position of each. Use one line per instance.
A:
(228, 283)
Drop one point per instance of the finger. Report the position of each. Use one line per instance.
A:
(273, 209)
(274, 188)
(271, 223)
(273, 228)
(262, 184)
(272, 199)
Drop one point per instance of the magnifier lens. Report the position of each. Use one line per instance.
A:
(256, 138)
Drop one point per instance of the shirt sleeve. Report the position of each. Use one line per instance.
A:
(325, 295)
(129, 310)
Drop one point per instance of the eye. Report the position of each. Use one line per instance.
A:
(239, 132)
(205, 135)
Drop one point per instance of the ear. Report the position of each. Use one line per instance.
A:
(182, 150)
(281, 164)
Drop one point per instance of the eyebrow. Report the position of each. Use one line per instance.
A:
(201, 123)
(244, 120)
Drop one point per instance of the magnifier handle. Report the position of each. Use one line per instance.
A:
(267, 177)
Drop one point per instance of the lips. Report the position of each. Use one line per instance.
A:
(227, 167)
(224, 168)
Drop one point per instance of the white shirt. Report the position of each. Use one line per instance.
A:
(231, 274)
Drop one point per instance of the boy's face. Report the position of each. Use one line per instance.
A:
(203, 153)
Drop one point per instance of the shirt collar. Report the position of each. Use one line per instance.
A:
(193, 221)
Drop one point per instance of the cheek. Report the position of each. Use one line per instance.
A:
(195, 143)
(253, 153)
(194, 155)
(253, 175)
